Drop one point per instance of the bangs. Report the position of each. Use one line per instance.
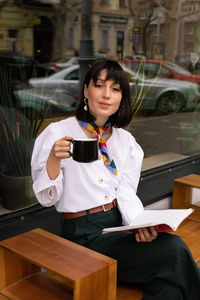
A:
(114, 75)
(114, 72)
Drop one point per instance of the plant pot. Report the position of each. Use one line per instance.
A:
(16, 192)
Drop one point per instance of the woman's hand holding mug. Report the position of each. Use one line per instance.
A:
(61, 148)
(83, 150)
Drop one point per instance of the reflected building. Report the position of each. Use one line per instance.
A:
(47, 30)
(27, 29)
(35, 29)
(167, 29)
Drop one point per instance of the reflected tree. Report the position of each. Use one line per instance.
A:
(65, 12)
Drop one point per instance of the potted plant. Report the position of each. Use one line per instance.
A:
(18, 130)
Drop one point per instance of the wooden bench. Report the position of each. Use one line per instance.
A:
(71, 271)
(189, 230)
(182, 192)
(75, 272)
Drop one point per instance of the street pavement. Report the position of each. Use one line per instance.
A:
(173, 133)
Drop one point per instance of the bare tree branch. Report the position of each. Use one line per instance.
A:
(158, 2)
(177, 16)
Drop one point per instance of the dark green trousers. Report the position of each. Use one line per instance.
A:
(164, 268)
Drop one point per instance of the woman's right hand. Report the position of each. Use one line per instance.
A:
(60, 150)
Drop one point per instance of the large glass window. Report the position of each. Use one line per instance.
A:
(40, 46)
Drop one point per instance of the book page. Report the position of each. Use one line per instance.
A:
(170, 217)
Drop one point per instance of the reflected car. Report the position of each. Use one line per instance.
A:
(63, 62)
(162, 94)
(165, 95)
(162, 69)
(135, 57)
(20, 67)
(58, 92)
(44, 103)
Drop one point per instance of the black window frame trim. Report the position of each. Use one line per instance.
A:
(157, 183)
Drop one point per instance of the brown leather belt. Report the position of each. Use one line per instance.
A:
(105, 207)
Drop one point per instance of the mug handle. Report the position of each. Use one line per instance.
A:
(71, 154)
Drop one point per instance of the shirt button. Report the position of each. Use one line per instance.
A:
(100, 180)
(106, 197)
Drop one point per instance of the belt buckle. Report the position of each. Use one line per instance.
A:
(104, 209)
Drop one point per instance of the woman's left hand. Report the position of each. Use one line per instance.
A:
(146, 234)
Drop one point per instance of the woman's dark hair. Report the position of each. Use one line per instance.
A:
(114, 72)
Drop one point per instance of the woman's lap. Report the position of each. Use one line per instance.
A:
(163, 263)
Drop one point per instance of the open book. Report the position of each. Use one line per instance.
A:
(163, 220)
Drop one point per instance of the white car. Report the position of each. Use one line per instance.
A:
(162, 94)
(63, 62)
(166, 95)
(59, 93)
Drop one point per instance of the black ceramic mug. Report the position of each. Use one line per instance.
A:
(84, 150)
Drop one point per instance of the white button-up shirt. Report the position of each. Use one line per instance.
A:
(82, 186)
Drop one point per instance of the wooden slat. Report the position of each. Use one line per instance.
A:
(8, 274)
(126, 291)
(189, 231)
(2, 297)
(37, 287)
(182, 190)
(191, 180)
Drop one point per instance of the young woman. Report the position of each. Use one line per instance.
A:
(101, 194)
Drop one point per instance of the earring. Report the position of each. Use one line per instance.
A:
(86, 104)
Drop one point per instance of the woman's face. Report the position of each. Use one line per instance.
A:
(104, 97)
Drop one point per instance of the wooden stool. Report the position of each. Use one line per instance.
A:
(182, 193)
(82, 270)
(189, 230)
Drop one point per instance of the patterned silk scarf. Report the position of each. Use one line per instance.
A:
(97, 134)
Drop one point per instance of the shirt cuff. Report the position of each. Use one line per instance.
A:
(129, 208)
(48, 191)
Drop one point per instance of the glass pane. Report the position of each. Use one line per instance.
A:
(156, 42)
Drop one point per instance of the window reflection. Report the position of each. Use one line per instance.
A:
(156, 42)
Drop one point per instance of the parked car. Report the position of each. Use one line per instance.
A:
(162, 94)
(58, 92)
(63, 62)
(162, 69)
(20, 67)
(165, 95)
(136, 56)
(44, 103)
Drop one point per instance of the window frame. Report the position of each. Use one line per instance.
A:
(155, 184)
